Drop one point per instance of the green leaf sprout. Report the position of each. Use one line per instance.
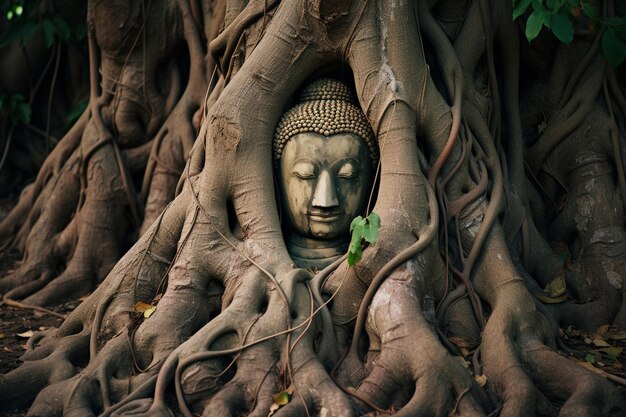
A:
(363, 230)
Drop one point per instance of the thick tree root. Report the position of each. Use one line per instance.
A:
(83, 212)
(234, 322)
(66, 254)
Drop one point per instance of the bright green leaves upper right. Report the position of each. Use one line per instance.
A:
(561, 16)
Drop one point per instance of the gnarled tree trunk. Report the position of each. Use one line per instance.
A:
(236, 322)
(117, 168)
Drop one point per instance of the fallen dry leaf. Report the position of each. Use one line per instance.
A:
(600, 342)
(281, 398)
(588, 366)
(149, 312)
(612, 351)
(27, 334)
(481, 379)
(617, 335)
(603, 330)
(141, 307)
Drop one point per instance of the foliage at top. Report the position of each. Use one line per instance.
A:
(12, 9)
(21, 22)
(564, 17)
(16, 107)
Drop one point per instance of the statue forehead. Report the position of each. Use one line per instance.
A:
(311, 144)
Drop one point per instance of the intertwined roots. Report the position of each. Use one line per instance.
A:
(226, 347)
(231, 321)
(115, 171)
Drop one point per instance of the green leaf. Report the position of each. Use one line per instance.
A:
(370, 230)
(48, 32)
(62, 28)
(358, 221)
(17, 108)
(533, 26)
(590, 358)
(556, 5)
(613, 47)
(355, 249)
(21, 30)
(370, 234)
(11, 104)
(374, 219)
(28, 31)
(24, 112)
(538, 6)
(562, 28)
(281, 398)
(521, 8)
(362, 230)
(354, 254)
(590, 10)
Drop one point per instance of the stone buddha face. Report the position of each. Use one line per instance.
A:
(324, 183)
(324, 151)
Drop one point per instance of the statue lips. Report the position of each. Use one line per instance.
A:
(325, 216)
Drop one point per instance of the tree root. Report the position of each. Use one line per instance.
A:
(232, 321)
(504, 339)
(17, 304)
(85, 192)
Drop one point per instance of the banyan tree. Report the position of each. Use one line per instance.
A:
(234, 141)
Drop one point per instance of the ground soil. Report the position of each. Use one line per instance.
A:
(15, 322)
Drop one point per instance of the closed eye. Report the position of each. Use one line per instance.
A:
(348, 170)
(304, 170)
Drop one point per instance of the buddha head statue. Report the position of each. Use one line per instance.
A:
(324, 154)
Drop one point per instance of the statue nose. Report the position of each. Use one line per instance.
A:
(325, 194)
